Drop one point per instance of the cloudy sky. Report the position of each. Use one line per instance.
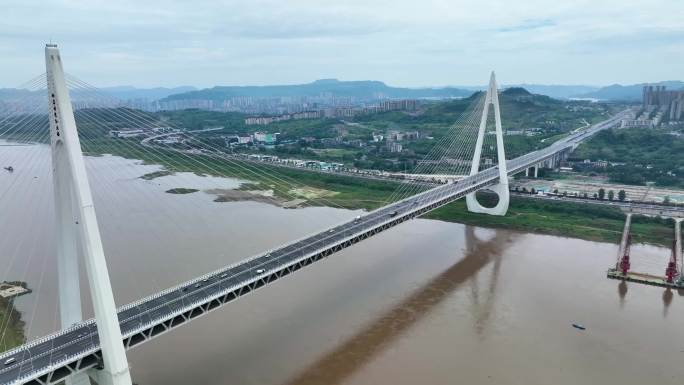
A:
(405, 43)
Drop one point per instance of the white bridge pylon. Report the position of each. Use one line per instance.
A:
(77, 229)
(501, 188)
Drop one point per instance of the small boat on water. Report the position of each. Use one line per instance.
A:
(9, 168)
(579, 326)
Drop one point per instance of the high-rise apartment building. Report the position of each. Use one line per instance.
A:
(671, 101)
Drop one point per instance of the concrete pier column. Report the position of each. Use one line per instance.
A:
(536, 171)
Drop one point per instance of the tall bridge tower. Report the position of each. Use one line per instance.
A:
(78, 231)
(501, 188)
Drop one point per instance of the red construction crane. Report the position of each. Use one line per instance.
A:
(623, 264)
(671, 271)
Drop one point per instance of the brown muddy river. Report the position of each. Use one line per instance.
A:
(425, 303)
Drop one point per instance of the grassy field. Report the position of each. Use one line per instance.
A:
(564, 219)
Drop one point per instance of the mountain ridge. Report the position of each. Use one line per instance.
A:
(631, 93)
(362, 89)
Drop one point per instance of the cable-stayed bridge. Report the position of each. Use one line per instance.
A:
(94, 347)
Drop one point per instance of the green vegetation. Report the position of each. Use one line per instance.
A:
(155, 174)
(182, 190)
(520, 110)
(252, 187)
(10, 319)
(557, 218)
(195, 119)
(352, 192)
(622, 195)
(12, 323)
(591, 222)
(543, 118)
(644, 155)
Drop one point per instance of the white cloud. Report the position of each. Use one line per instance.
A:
(204, 42)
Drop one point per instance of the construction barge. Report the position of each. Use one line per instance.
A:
(646, 279)
(673, 278)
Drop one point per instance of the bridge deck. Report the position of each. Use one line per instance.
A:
(51, 358)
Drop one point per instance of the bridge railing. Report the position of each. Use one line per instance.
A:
(476, 180)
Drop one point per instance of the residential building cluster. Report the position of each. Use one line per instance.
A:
(659, 106)
(324, 103)
(396, 135)
(337, 112)
(264, 120)
(672, 101)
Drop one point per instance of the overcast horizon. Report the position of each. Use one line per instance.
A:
(434, 44)
(462, 86)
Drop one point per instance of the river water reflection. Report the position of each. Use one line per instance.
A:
(427, 302)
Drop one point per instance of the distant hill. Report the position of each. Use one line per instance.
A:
(516, 91)
(365, 89)
(519, 109)
(557, 91)
(627, 93)
(130, 92)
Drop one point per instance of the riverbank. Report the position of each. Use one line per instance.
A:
(566, 219)
(349, 192)
(10, 319)
(557, 218)
(12, 324)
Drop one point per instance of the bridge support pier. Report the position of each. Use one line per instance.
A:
(78, 229)
(501, 188)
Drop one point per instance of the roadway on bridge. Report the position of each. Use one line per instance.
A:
(50, 353)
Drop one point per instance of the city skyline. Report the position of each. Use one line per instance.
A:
(265, 42)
